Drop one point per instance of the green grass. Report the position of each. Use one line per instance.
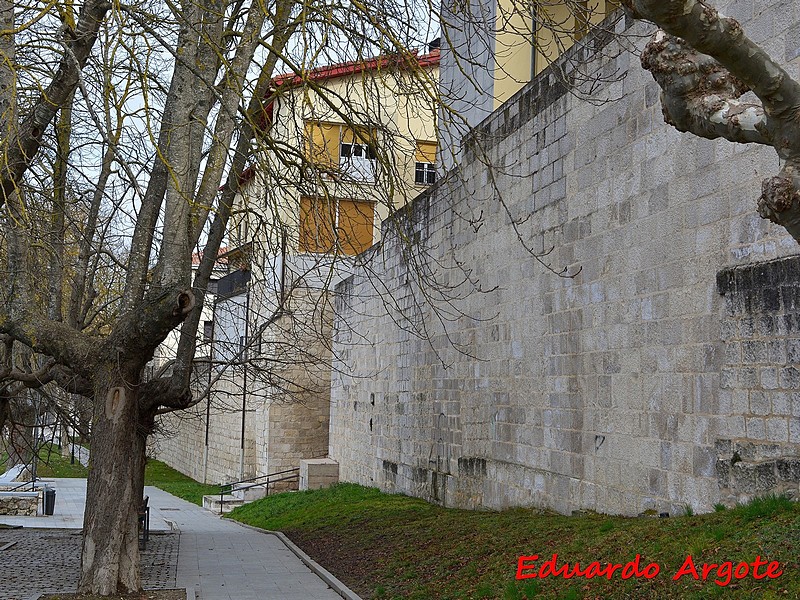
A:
(52, 464)
(158, 474)
(392, 546)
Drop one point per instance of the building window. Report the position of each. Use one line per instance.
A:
(212, 286)
(425, 165)
(425, 173)
(328, 224)
(357, 161)
(208, 330)
(336, 149)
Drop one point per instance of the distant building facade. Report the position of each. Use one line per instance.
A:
(490, 51)
(351, 144)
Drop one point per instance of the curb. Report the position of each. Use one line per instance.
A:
(326, 576)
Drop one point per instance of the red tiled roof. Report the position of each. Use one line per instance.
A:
(198, 256)
(353, 67)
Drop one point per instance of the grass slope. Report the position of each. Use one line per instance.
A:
(52, 464)
(158, 474)
(392, 546)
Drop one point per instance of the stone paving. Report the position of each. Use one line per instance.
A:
(189, 548)
(48, 561)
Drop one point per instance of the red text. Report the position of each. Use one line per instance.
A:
(528, 569)
(724, 572)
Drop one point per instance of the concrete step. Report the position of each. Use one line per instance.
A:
(249, 492)
(229, 502)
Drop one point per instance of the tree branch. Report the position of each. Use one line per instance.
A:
(52, 338)
(139, 332)
(20, 149)
(706, 30)
(703, 66)
(700, 96)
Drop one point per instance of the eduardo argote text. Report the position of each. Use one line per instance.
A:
(529, 567)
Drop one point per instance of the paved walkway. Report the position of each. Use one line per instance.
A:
(217, 558)
(47, 561)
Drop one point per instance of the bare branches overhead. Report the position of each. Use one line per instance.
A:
(705, 63)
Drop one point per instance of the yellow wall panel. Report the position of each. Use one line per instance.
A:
(317, 223)
(355, 226)
(322, 143)
(426, 152)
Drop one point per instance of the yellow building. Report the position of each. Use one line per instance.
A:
(491, 50)
(348, 144)
(526, 45)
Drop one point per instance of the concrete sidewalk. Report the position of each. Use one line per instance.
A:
(222, 560)
(217, 558)
(70, 500)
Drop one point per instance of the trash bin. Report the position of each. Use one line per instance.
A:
(49, 501)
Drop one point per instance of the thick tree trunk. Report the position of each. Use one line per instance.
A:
(110, 560)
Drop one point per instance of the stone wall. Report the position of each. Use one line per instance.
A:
(181, 440)
(295, 420)
(608, 390)
(760, 331)
(286, 398)
(25, 505)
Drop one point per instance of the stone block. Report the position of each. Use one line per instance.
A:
(777, 429)
(319, 473)
(789, 469)
(754, 478)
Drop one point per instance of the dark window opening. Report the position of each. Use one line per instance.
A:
(425, 173)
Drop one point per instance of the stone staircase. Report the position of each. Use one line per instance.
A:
(312, 474)
(241, 493)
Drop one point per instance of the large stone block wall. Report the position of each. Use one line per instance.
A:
(608, 391)
(759, 381)
(295, 421)
(181, 442)
(286, 399)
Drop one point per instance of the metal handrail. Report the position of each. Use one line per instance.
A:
(22, 484)
(254, 481)
(232, 483)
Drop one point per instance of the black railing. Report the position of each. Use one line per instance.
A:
(265, 480)
(21, 484)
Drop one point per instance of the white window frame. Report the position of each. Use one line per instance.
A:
(357, 161)
(428, 171)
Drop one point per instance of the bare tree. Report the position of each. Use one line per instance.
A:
(126, 130)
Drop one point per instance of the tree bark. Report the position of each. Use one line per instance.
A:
(110, 554)
(704, 63)
(23, 146)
